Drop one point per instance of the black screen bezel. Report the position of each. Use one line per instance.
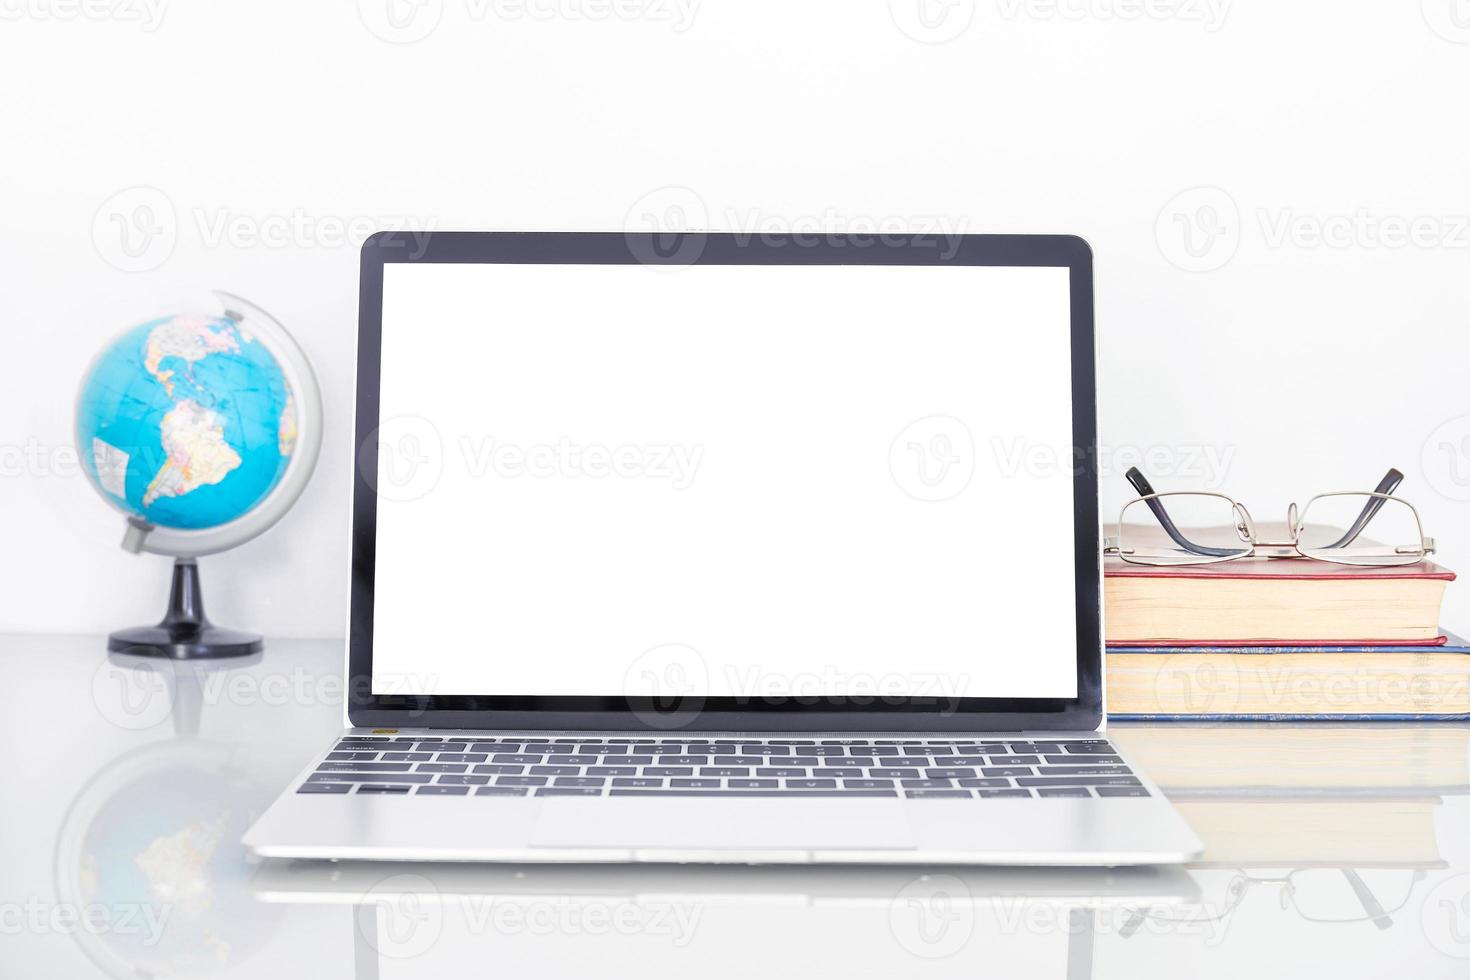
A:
(488, 711)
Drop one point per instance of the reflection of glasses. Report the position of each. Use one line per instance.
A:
(1203, 528)
(1322, 895)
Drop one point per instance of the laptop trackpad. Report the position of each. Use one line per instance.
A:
(721, 824)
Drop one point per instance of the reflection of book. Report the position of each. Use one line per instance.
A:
(1338, 795)
(1299, 833)
(1381, 759)
(1273, 600)
(1289, 683)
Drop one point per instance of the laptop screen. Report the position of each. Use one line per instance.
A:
(743, 481)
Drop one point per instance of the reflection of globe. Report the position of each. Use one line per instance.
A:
(152, 852)
(186, 421)
(203, 429)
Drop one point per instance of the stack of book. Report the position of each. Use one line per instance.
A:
(1275, 639)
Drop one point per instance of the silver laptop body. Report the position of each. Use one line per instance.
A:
(725, 548)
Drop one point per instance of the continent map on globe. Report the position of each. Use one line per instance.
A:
(186, 421)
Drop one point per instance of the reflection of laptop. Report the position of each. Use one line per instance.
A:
(732, 548)
(430, 919)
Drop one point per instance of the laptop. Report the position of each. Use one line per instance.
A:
(732, 548)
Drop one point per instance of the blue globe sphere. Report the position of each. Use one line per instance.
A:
(186, 422)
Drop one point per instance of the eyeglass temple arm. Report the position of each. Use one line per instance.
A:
(1387, 485)
(1146, 490)
(1366, 898)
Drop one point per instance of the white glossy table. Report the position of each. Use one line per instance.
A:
(127, 791)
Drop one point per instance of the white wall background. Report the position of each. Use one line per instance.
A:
(1299, 364)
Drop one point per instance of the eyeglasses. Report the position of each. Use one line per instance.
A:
(1203, 528)
(1322, 895)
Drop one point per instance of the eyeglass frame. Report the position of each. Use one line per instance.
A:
(1245, 527)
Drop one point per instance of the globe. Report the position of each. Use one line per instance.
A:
(186, 421)
(203, 429)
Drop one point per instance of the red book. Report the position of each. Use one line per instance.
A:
(1273, 601)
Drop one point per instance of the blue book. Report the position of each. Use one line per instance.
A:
(1290, 683)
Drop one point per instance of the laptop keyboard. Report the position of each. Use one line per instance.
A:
(914, 768)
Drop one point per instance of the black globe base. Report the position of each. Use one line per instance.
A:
(185, 633)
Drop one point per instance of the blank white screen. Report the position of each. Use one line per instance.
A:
(727, 480)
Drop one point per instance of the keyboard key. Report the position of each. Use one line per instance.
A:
(1015, 760)
(520, 780)
(364, 767)
(932, 794)
(810, 784)
(567, 791)
(1121, 791)
(988, 782)
(668, 771)
(1077, 781)
(383, 789)
(408, 756)
(437, 790)
(575, 761)
(1018, 793)
(751, 793)
(578, 781)
(1083, 771)
(324, 788)
(603, 749)
(517, 759)
(493, 747)
(612, 770)
(867, 784)
(894, 773)
(850, 761)
(501, 791)
(949, 773)
(462, 780)
(362, 756)
(695, 783)
(784, 771)
(682, 760)
(500, 769)
(643, 782)
(442, 767)
(1008, 771)
(1089, 748)
(723, 771)
(364, 777)
(765, 750)
(438, 746)
(556, 770)
(753, 783)
(1067, 791)
(823, 750)
(461, 757)
(960, 760)
(927, 784)
(1072, 760)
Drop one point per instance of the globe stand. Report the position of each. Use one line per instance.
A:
(185, 633)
